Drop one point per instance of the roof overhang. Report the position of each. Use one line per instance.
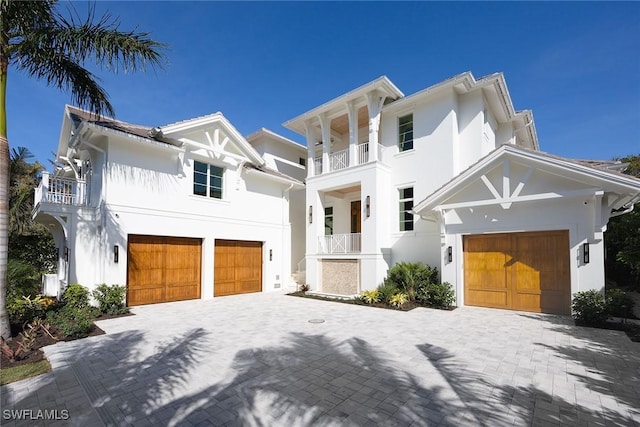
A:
(597, 182)
(266, 133)
(382, 85)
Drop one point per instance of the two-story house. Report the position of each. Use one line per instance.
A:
(452, 176)
(183, 211)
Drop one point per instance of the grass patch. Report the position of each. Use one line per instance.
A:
(17, 373)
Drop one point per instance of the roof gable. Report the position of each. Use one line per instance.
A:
(511, 174)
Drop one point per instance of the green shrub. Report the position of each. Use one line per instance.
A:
(589, 308)
(25, 309)
(409, 276)
(23, 280)
(618, 303)
(441, 295)
(72, 322)
(371, 297)
(111, 299)
(76, 296)
(386, 290)
(399, 299)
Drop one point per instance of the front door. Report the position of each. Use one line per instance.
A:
(356, 216)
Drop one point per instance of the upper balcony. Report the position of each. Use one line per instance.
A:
(340, 159)
(61, 191)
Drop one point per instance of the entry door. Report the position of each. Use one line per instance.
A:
(356, 216)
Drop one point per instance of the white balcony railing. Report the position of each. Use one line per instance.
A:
(62, 191)
(340, 159)
(339, 244)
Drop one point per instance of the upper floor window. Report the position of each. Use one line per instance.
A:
(405, 132)
(406, 204)
(328, 221)
(207, 180)
(302, 161)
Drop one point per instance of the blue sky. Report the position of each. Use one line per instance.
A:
(576, 65)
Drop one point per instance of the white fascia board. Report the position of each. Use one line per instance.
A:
(294, 183)
(147, 141)
(205, 121)
(623, 182)
(266, 132)
(381, 83)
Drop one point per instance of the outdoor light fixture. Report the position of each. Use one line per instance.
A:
(585, 253)
(66, 254)
(270, 254)
(449, 254)
(367, 207)
(115, 253)
(310, 214)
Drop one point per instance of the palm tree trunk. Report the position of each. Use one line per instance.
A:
(5, 329)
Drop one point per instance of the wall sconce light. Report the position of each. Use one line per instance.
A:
(367, 207)
(116, 251)
(585, 253)
(270, 254)
(66, 254)
(310, 214)
(449, 254)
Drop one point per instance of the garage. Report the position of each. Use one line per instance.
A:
(518, 271)
(238, 267)
(163, 269)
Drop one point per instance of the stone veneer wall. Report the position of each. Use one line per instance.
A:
(341, 276)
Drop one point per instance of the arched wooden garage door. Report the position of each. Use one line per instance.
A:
(238, 267)
(163, 269)
(518, 271)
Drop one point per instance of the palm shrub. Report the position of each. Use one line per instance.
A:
(618, 303)
(111, 299)
(589, 308)
(409, 276)
(386, 290)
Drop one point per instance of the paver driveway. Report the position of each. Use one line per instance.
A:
(256, 360)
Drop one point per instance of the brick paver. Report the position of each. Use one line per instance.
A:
(256, 360)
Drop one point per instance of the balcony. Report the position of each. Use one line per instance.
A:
(61, 191)
(339, 160)
(339, 244)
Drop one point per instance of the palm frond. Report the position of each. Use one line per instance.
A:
(59, 70)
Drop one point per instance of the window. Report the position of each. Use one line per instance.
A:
(328, 221)
(405, 132)
(302, 161)
(406, 204)
(207, 180)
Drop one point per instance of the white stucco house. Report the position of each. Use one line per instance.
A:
(451, 176)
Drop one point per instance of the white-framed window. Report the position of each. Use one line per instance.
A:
(405, 132)
(406, 204)
(207, 180)
(328, 221)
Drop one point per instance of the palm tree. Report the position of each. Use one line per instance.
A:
(37, 39)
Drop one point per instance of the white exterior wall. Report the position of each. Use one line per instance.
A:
(149, 191)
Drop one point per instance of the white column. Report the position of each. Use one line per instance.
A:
(311, 150)
(325, 125)
(352, 113)
(375, 101)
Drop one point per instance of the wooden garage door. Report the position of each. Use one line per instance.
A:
(162, 269)
(518, 271)
(238, 267)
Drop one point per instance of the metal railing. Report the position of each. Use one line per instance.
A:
(339, 243)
